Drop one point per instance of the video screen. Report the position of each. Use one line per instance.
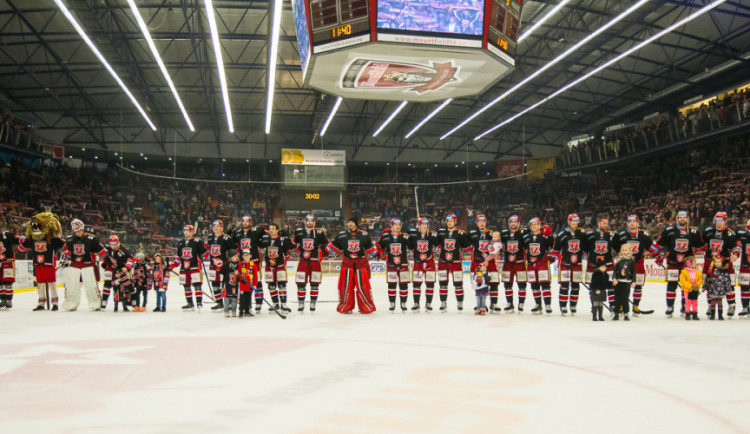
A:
(465, 17)
(303, 36)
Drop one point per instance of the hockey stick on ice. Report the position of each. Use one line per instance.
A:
(208, 280)
(589, 288)
(255, 291)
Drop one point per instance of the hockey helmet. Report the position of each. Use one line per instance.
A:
(535, 220)
(394, 221)
(632, 218)
(76, 225)
(451, 217)
(514, 218)
(683, 214)
(423, 221)
(481, 217)
(247, 218)
(721, 215)
(189, 228)
(218, 222)
(573, 218)
(114, 239)
(310, 217)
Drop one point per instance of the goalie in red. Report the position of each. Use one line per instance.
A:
(354, 281)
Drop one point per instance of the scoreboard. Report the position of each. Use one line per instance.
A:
(338, 23)
(504, 27)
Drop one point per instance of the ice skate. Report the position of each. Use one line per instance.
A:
(415, 307)
(403, 306)
(8, 304)
(460, 305)
(188, 306)
(730, 311)
(564, 312)
(573, 311)
(39, 307)
(392, 306)
(494, 308)
(520, 307)
(537, 310)
(743, 314)
(443, 306)
(669, 312)
(509, 309)
(285, 308)
(301, 306)
(312, 306)
(428, 307)
(3, 304)
(200, 306)
(219, 305)
(636, 311)
(548, 310)
(54, 307)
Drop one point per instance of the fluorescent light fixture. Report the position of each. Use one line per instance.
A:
(330, 117)
(541, 21)
(219, 62)
(272, 61)
(104, 62)
(429, 116)
(390, 118)
(550, 64)
(624, 54)
(155, 52)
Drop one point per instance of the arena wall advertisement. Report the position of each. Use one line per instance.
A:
(25, 278)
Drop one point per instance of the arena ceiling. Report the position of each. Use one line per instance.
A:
(49, 77)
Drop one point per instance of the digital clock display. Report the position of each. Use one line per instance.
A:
(312, 196)
(341, 31)
(336, 20)
(504, 28)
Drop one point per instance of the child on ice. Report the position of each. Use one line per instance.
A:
(481, 289)
(691, 280)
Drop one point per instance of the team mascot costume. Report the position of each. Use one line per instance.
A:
(43, 240)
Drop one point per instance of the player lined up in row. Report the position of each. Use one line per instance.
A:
(512, 256)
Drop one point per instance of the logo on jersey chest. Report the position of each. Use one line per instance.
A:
(353, 246)
(187, 253)
(215, 250)
(449, 244)
(423, 246)
(601, 247)
(512, 246)
(716, 245)
(245, 244)
(635, 245)
(574, 246)
(307, 244)
(273, 252)
(535, 249)
(484, 246)
(78, 249)
(681, 245)
(396, 249)
(40, 246)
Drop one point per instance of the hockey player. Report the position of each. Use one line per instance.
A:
(601, 243)
(140, 282)
(248, 237)
(220, 248)
(7, 267)
(639, 241)
(481, 239)
(539, 242)
(8, 241)
(192, 251)
(422, 244)
(743, 242)
(277, 246)
(310, 242)
(394, 246)
(569, 247)
(453, 242)
(514, 265)
(676, 242)
(354, 281)
(159, 279)
(722, 241)
(80, 250)
(120, 262)
(44, 258)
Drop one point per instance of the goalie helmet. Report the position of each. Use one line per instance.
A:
(76, 225)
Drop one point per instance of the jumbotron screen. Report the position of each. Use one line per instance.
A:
(463, 17)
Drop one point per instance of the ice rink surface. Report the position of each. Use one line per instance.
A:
(147, 372)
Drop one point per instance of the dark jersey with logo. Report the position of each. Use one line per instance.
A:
(640, 241)
(117, 260)
(352, 245)
(80, 251)
(513, 244)
(537, 246)
(309, 242)
(190, 253)
(678, 242)
(423, 245)
(249, 240)
(601, 245)
(395, 247)
(743, 242)
(452, 244)
(480, 243)
(42, 252)
(277, 249)
(221, 248)
(7, 242)
(571, 246)
(720, 243)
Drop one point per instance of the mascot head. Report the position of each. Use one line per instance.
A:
(43, 226)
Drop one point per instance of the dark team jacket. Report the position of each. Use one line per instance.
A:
(352, 245)
(640, 241)
(42, 252)
(422, 245)
(7, 242)
(513, 245)
(221, 248)
(117, 260)
(309, 243)
(231, 278)
(480, 244)
(81, 251)
(570, 246)
(743, 242)
(249, 240)
(452, 244)
(191, 252)
(601, 245)
(537, 246)
(679, 243)
(277, 249)
(395, 247)
(721, 243)
(624, 270)
(140, 274)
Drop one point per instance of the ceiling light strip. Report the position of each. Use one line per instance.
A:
(272, 58)
(541, 21)
(429, 116)
(219, 62)
(390, 118)
(330, 116)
